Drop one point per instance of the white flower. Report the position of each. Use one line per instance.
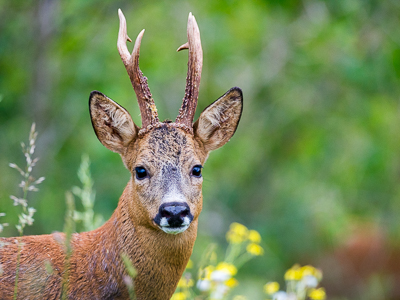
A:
(280, 296)
(220, 275)
(18, 201)
(32, 188)
(310, 281)
(40, 180)
(27, 219)
(204, 285)
(28, 160)
(35, 161)
(219, 292)
(14, 166)
(128, 281)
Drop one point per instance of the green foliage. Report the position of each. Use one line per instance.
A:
(317, 150)
(89, 219)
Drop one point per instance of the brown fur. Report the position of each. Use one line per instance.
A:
(96, 270)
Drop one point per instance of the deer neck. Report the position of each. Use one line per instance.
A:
(159, 258)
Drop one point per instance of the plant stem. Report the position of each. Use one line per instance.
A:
(242, 259)
(17, 270)
(69, 228)
(25, 190)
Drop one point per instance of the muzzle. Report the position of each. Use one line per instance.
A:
(173, 217)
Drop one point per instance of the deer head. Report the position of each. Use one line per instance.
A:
(165, 158)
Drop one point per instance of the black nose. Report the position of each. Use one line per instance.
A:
(174, 213)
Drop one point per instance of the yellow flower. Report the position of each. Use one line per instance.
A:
(238, 228)
(307, 270)
(231, 282)
(239, 297)
(271, 287)
(206, 272)
(227, 267)
(185, 283)
(254, 236)
(179, 296)
(255, 249)
(317, 294)
(233, 238)
(189, 264)
(311, 271)
(237, 233)
(293, 273)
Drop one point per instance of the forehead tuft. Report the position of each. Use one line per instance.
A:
(167, 138)
(167, 144)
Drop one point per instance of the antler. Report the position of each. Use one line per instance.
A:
(195, 64)
(147, 107)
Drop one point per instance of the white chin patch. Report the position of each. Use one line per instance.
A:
(174, 230)
(164, 226)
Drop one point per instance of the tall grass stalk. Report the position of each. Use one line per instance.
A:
(69, 229)
(128, 279)
(87, 195)
(27, 184)
(2, 225)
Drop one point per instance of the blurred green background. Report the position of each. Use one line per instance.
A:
(314, 165)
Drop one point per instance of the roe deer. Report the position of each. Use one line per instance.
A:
(155, 222)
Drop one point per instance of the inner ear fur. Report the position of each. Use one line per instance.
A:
(218, 122)
(112, 123)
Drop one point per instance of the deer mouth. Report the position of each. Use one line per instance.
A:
(174, 230)
(173, 217)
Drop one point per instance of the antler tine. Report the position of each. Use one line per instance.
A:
(122, 38)
(147, 107)
(195, 64)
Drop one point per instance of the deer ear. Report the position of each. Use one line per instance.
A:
(218, 122)
(111, 122)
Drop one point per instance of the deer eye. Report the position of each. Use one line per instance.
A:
(141, 173)
(196, 171)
